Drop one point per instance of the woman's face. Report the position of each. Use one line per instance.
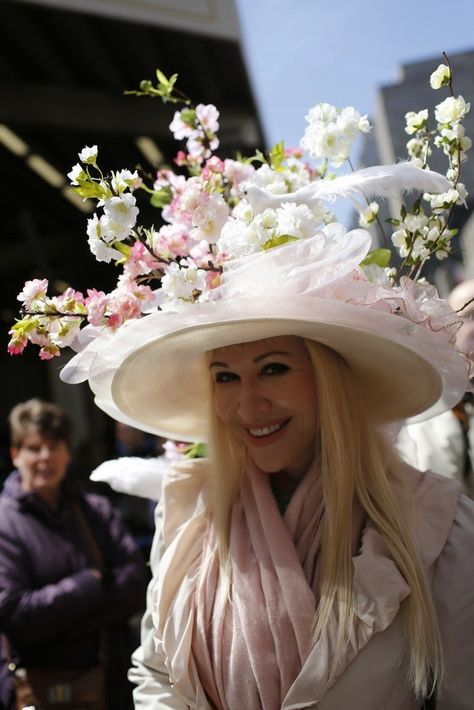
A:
(265, 392)
(41, 461)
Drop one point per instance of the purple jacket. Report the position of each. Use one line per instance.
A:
(51, 604)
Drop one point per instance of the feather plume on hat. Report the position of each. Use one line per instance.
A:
(377, 181)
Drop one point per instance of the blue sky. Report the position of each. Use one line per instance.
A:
(301, 52)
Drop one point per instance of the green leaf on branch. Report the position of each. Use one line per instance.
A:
(165, 89)
(279, 241)
(124, 249)
(189, 116)
(379, 257)
(196, 451)
(259, 157)
(92, 190)
(162, 197)
(277, 155)
(26, 325)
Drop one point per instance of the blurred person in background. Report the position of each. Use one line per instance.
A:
(70, 576)
(445, 444)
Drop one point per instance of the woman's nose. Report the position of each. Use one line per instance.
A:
(253, 401)
(45, 452)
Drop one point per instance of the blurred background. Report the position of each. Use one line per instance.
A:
(64, 65)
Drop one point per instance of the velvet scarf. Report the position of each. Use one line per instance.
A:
(250, 648)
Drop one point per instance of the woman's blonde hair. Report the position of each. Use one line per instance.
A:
(356, 463)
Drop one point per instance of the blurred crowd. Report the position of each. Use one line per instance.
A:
(73, 570)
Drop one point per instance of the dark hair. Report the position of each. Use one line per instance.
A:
(46, 418)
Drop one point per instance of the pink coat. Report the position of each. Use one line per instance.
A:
(377, 678)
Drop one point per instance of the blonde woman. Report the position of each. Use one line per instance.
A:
(302, 564)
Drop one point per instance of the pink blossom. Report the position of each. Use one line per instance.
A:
(40, 338)
(36, 288)
(16, 346)
(181, 158)
(166, 177)
(172, 240)
(213, 279)
(213, 166)
(293, 152)
(123, 306)
(96, 303)
(140, 261)
(237, 172)
(49, 351)
(174, 451)
(201, 253)
(114, 321)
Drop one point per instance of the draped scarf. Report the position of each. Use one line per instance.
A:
(250, 645)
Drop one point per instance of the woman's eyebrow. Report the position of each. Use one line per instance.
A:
(215, 363)
(272, 353)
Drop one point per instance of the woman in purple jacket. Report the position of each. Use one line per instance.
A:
(61, 600)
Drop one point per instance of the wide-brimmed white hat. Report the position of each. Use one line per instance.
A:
(153, 372)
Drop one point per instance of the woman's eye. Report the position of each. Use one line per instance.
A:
(223, 377)
(275, 368)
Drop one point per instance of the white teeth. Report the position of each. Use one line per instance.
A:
(266, 430)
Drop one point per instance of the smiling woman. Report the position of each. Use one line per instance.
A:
(302, 557)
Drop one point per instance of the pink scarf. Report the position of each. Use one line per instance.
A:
(249, 651)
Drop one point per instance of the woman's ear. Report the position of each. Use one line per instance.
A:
(13, 454)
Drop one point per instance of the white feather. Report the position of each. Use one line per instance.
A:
(133, 475)
(378, 181)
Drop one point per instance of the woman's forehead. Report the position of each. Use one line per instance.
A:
(280, 343)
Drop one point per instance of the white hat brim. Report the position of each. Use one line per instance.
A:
(162, 384)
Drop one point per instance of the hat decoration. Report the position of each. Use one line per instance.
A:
(254, 238)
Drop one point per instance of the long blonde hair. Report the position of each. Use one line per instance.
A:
(356, 463)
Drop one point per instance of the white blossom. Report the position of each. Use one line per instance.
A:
(378, 275)
(415, 222)
(331, 132)
(243, 210)
(77, 173)
(399, 240)
(208, 116)
(440, 77)
(350, 122)
(369, 215)
(122, 180)
(296, 221)
(444, 200)
(180, 281)
(121, 211)
(89, 155)
(97, 240)
(270, 180)
(32, 291)
(296, 174)
(415, 120)
(451, 110)
(419, 249)
(240, 239)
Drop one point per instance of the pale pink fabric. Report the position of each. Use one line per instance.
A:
(373, 671)
(249, 653)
